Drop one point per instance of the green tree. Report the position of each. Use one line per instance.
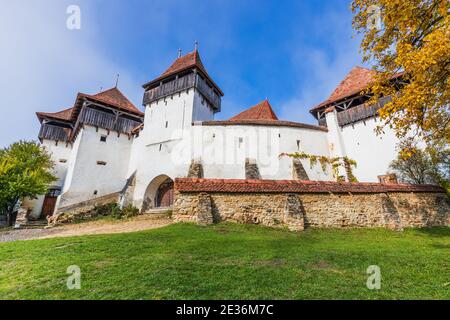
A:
(419, 166)
(25, 171)
(411, 38)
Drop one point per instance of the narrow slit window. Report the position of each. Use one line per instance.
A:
(241, 140)
(101, 163)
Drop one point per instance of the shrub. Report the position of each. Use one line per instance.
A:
(109, 209)
(129, 211)
(114, 210)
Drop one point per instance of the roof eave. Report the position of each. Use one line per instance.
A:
(162, 78)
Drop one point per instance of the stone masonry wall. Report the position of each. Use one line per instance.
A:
(296, 211)
(88, 205)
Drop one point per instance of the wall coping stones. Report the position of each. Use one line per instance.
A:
(294, 186)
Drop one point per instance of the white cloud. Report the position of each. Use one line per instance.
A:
(43, 64)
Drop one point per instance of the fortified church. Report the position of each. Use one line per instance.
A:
(105, 146)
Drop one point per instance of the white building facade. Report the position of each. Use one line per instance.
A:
(105, 145)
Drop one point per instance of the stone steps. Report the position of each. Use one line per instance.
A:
(155, 211)
(34, 224)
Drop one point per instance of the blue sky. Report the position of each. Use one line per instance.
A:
(292, 52)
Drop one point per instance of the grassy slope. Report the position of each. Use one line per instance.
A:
(230, 261)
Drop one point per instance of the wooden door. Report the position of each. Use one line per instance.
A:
(165, 195)
(49, 205)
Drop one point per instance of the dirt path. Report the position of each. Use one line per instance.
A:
(139, 223)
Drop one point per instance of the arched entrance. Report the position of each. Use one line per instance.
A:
(164, 195)
(159, 193)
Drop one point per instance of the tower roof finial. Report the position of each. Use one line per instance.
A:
(117, 80)
(196, 45)
(179, 53)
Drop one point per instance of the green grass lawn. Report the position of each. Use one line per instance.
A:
(231, 261)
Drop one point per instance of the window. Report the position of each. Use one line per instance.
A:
(54, 192)
(103, 138)
(63, 160)
(241, 140)
(101, 163)
(160, 147)
(167, 124)
(298, 145)
(95, 192)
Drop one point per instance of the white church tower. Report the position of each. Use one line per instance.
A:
(183, 95)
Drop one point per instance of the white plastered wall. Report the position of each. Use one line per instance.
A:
(60, 153)
(373, 153)
(86, 175)
(225, 149)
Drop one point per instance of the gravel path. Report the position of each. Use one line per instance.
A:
(144, 222)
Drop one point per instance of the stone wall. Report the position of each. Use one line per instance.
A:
(195, 169)
(251, 169)
(88, 205)
(298, 171)
(427, 206)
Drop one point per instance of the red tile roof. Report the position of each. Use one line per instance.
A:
(185, 62)
(356, 81)
(261, 114)
(188, 61)
(261, 111)
(111, 97)
(114, 98)
(64, 115)
(294, 186)
(267, 123)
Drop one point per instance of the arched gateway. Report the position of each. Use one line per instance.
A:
(159, 193)
(164, 195)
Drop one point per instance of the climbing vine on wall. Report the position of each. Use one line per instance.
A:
(336, 163)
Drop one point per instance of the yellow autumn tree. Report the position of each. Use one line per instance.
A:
(408, 42)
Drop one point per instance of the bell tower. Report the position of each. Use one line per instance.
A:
(186, 76)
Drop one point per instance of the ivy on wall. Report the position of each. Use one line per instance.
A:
(336, 163)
